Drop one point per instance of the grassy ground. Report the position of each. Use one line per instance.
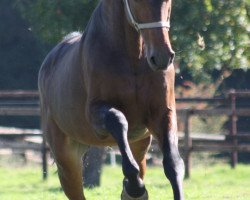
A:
(215, 182)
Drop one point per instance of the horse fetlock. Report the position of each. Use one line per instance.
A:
(133, 183)
(130, 169)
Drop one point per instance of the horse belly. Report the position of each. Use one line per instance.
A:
(82, 131)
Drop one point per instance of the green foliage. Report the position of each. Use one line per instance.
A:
(20, 52)
(53, 19)
(223, 27)
(207, 182)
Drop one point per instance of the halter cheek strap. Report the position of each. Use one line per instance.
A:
(139, 26)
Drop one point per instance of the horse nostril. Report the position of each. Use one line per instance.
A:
(152, 60)
(161, 60)
(172, 57)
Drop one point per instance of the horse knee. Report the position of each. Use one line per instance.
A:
(115, 121)
(107, 120)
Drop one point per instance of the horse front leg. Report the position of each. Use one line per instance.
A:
(165, 131)
(109, 120)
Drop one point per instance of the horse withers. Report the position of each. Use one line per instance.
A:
(113, 85)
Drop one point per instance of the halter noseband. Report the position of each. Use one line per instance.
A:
(139, 26)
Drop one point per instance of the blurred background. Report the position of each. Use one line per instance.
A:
(212, 43)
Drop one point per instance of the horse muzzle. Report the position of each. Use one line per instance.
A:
(160, 61)
(158, 48)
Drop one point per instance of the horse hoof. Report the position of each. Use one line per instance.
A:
(125, 196)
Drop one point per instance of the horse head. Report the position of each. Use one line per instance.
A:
(151, 18)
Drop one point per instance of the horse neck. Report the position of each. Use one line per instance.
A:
(120, 32)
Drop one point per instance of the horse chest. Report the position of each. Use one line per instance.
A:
(134, 94)
(123, 92)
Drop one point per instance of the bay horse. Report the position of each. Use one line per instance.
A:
(113, 85)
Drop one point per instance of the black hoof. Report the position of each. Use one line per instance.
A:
(134, 193)
(126, 196)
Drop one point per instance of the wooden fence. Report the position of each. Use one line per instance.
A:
(221, 143)
(25, 103)
(22, 103)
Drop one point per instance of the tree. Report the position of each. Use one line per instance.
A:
(224, 27)
(21, 53)
(51, 20)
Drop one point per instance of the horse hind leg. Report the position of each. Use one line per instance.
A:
(67, 155)
(139, 150)
(70, 174)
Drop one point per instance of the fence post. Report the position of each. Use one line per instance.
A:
(187, 145)
(44, 159)
(233, 128)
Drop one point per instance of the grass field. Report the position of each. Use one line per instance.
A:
(215, 182)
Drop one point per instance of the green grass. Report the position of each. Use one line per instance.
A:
(215, 182)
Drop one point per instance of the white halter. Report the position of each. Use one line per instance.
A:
(139, 26)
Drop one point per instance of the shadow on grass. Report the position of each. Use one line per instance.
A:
(55, 189)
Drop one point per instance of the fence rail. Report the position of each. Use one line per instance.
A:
(18, 94)
(22, 103)
(230, 142)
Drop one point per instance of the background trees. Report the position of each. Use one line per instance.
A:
(53, 19)
(224, 27)
(20, 51)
